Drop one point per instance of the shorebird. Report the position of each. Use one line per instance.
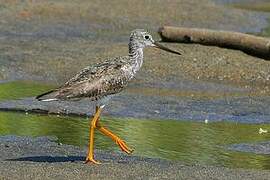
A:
(101, 81)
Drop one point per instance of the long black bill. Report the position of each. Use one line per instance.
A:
(158, 45)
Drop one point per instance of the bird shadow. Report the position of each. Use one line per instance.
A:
(49, 159)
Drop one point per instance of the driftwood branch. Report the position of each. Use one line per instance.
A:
(250, 44)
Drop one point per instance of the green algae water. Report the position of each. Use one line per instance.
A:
(189, 142)
(19, 89)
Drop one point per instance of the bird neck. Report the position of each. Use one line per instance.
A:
(135, 55)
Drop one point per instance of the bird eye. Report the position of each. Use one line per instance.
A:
(146, 37)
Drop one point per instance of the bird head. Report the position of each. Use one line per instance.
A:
(141, 38)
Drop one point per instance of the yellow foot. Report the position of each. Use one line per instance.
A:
(91, 160)
(123, 146)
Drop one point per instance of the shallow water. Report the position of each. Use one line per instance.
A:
(19, 89)
(190, 142)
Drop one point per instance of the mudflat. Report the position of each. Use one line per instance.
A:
(41, 158)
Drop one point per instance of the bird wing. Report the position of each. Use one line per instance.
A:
(93, 82)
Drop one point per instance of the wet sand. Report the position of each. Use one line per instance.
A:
(40, 158)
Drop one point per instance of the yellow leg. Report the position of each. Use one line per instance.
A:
(115, 138)
(93, 125)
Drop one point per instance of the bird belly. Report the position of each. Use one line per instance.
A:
(102, 102)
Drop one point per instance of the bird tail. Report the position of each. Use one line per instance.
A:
(47, 96)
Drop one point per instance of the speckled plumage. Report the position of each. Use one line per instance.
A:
(106, 78)
(99, 82)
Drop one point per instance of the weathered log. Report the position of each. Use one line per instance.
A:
(250, 44)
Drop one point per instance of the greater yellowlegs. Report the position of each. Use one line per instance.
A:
(99, 82)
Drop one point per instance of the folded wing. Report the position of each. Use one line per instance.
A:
(93, 82)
